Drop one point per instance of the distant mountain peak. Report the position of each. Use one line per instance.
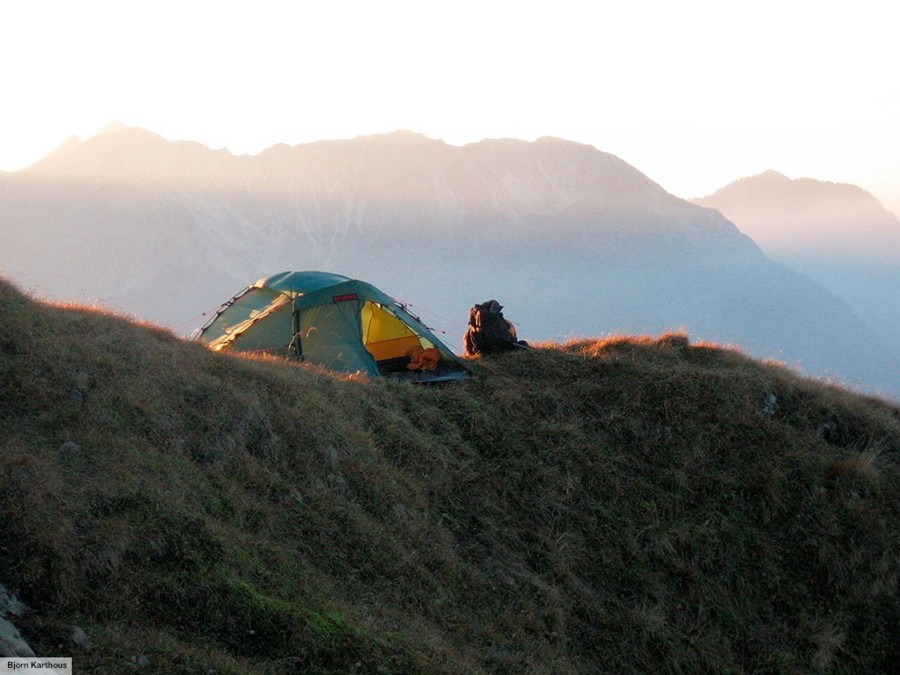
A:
(765, 180)
(399, 136)
(113, 127)
(71, 142)
(773, 175)
(124, 154)
(799, 191)
(808, 217)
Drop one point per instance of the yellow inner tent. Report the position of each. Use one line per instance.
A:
(385, 336)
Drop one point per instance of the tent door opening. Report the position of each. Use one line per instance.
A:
(387, 338)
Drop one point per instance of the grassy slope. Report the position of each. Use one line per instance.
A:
(627, 505)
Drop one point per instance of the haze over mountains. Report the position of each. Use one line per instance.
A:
(837, 234)
(573, 241)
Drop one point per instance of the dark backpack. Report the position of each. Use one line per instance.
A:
(488, 331)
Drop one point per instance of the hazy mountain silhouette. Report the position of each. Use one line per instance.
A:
(837, 234)
(573, 241)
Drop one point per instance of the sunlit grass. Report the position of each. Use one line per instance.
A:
(631, 504)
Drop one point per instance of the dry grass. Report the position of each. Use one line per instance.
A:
(625, 505)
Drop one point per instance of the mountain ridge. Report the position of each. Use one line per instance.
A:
(81, 161)
(572, 240)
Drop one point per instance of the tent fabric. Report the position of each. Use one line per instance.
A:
(326, 319)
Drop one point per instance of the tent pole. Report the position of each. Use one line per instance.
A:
(296, 342)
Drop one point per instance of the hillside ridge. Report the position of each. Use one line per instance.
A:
(635, 504)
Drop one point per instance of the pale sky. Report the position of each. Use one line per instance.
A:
(694, 93)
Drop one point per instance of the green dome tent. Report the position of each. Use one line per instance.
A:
(328, 320)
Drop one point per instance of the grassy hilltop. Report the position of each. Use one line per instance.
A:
(627, 505)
